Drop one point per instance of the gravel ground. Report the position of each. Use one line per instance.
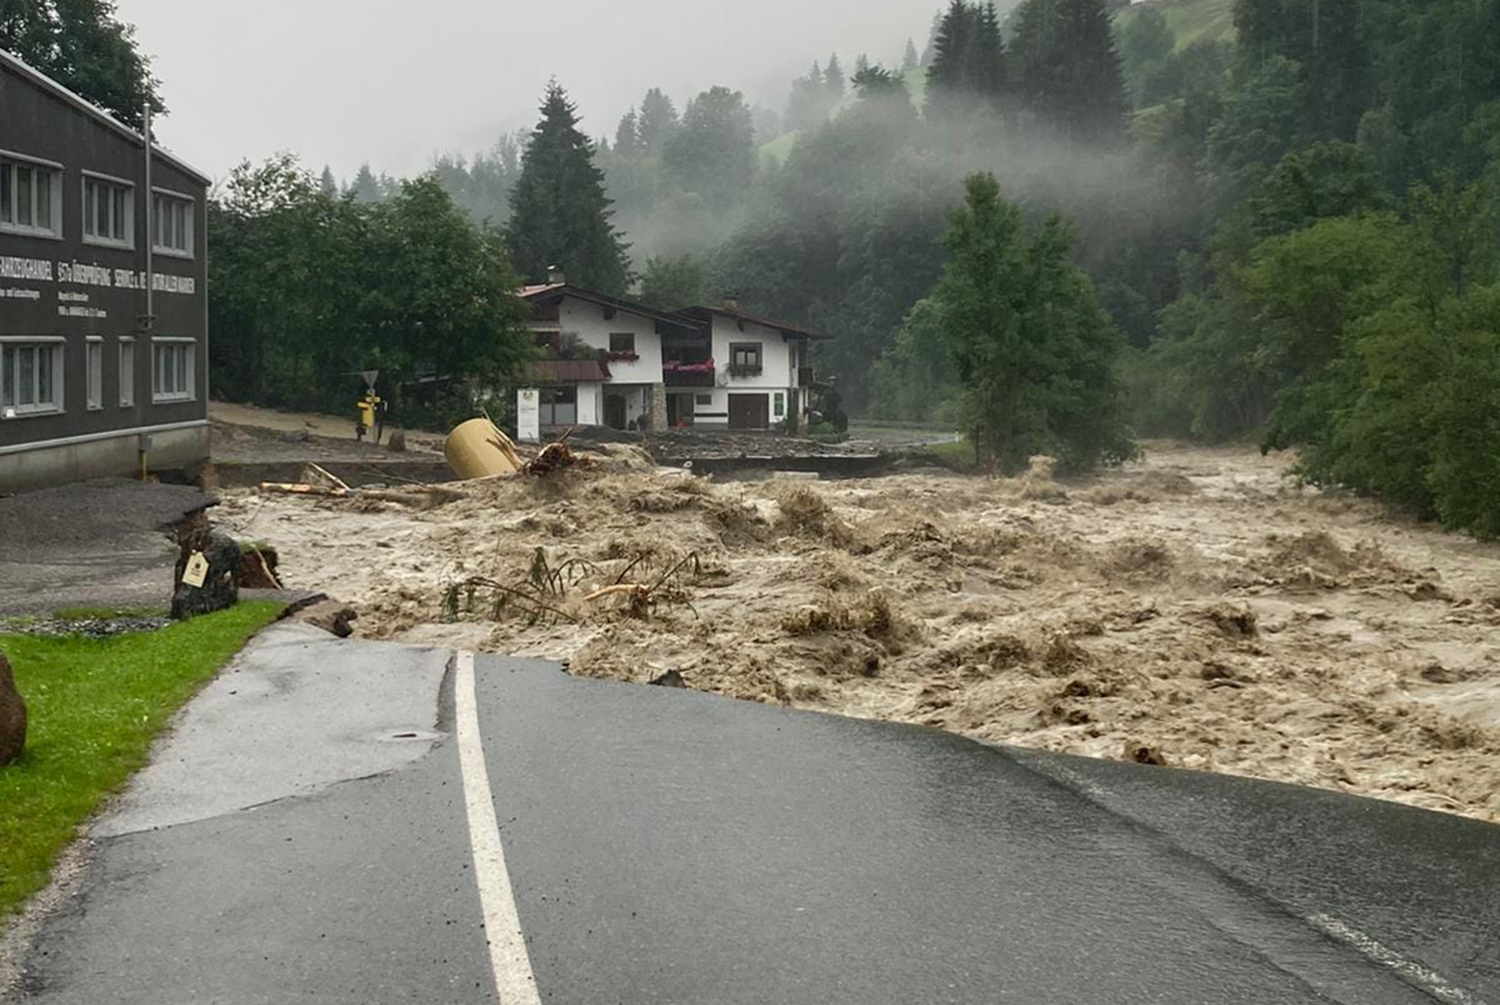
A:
(95, 544)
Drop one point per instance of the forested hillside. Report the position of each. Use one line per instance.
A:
(1283, 209)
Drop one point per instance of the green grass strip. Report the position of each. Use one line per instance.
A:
(94, 707)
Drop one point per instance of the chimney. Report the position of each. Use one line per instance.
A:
(731, 303)
(555, 276)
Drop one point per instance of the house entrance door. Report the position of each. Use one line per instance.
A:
(614, 411)
(749, 411)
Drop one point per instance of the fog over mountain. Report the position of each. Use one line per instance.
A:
(389, 82)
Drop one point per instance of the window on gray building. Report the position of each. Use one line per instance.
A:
(172, 224)
(31, 377)
(127, 372)
(172, 369)
(94, 360)
(108, 212)
(30, 197)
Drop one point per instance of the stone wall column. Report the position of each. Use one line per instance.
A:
(656, 407)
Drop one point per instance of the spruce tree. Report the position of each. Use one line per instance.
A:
(834, 84)
(657, 121)
(1035, 354)
(627, 135)
(968, 63)
(909, 61)
(560, 215)
(366, 187)
(327, 183)
(1067, 68)
(805, 109)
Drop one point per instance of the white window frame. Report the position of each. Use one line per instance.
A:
(38, 167)
(93, 371)
(122, 185)
(166, 197)
(10, 397)
(127, 372)
(189, 391)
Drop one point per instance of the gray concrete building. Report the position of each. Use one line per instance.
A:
(103, 293)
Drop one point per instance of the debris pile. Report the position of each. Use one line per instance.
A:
(1193, 609)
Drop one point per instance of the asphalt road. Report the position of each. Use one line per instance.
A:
(313, 832)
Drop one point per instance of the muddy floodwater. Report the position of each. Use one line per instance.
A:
(1194, 609)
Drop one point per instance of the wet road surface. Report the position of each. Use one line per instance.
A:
(663, 846)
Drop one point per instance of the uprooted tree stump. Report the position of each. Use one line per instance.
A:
(221, 587)
(258, 567)
(12, 716)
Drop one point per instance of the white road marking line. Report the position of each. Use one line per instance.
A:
(1428, 980)
(514, 981)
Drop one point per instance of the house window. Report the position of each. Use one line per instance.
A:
(172, 224)
(94, 370)
(744, 359)
(172, 369)
(30, 198)
(31, 377)
(704, 399)
(778, 404)
(127, 372)
(622, 342)
(108, 216)
(559, 406)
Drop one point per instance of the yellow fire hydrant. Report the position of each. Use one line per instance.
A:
(368, 407)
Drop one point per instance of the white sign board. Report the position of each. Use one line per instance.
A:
(529, 415)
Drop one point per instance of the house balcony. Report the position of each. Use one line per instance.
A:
(689, 374)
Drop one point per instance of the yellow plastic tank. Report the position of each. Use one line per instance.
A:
(477, 449)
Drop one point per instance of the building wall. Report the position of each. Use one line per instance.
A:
(778, 372)
(69, 289)
(108, 455)
(586, 320)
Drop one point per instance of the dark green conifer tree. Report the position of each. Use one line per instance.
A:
(657, 121)
(560, 215)
(1067, 70)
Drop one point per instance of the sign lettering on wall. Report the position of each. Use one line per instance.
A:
(41, 270)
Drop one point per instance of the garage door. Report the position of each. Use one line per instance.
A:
(749, 411)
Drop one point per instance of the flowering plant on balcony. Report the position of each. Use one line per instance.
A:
(622, 356)
(677, 366)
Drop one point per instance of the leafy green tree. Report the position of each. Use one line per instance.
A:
(1326, 180)
(1034, 353)
(671, 284)
(83, 45)
(443, 301)
(1146, 46)
(713, 153)
(657, 122)
(1067, 69)
(1325, 38)
(1262, 120)
(305, 289)
(560, 215)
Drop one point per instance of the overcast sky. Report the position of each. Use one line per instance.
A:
(392, 81)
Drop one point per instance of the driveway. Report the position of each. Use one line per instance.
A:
(98, 544)
(350, 822)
